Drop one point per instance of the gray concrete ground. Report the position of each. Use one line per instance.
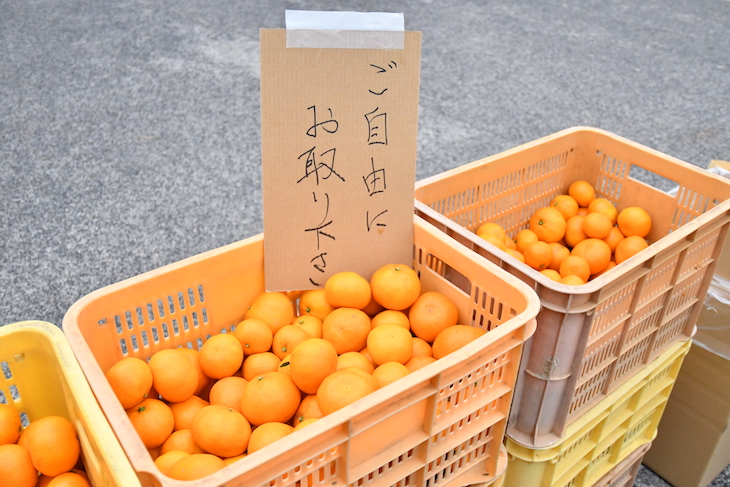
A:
(130, 131)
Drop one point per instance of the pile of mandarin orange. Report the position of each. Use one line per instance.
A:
(295, 358)
(47, 453)
(577, 237)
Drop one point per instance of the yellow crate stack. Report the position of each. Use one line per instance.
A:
(623, 423)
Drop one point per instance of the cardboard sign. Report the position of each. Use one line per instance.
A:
(339, 133)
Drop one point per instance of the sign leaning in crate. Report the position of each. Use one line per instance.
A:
(443, 423)
(42, 378)
(592, 337)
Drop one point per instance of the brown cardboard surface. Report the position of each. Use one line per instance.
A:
(339, 131)
(693, 442)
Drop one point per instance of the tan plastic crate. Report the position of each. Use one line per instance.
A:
(40, 377)
(441, 425)
(624, 474)
(590, 338)
(605, 435)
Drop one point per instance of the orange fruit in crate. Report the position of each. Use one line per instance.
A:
(270, 397)
(364, 352)
(231, 460)
(373, 307)
(285, 365)
(305, 423)
(174, 375)
(582, 211)
(389, 372)
(274, 309)
(181, 440)
(310, 324)
(203, 380)
(575, 265)
(634, 220)
(421, 348)
(167, 460)
(453, 338)
(572, 280)
(312, 361)
(431, 314)
(602, 205)
(560, 252)
(314, 302)
(614, 237)
(416, 363)
(53, 445)
(341, 389)
(610, 266)
(153, 420)
(254, 335)
(629, 247)
(524, 238)
(347, 289)
(10, 424)
(597, 225)
(259, 364)
(184, 412)
(221, 356)
(227, 392)
(566, 205)
(516, 254)
(538, 255)
(287, 339)
(358, 371)
(16, 467)
(390, 343)
(354, 359)
(595, 251)
(491, 228)
(268, 433)
(69, 479)
(130, 379)
(574, 233)
(583, 192)
(391, 316)
(548, 224)
(347, 329)
(308, 409)
(395, 286)
(194, 467)
(221, 431)
(494, 241)
(551, 273)
(509, 244)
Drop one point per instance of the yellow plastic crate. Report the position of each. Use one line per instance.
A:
(41, 377)
(590, 338)
(624, 474)
(603, 436)
(441, 425)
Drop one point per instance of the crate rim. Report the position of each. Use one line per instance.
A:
(608, 277)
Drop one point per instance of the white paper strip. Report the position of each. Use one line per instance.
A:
(344, 30)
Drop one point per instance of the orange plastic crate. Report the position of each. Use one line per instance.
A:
(441, 425)
(590, 338)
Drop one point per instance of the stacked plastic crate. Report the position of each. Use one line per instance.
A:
(596, 375)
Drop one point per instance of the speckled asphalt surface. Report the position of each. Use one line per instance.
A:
(130, 131)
